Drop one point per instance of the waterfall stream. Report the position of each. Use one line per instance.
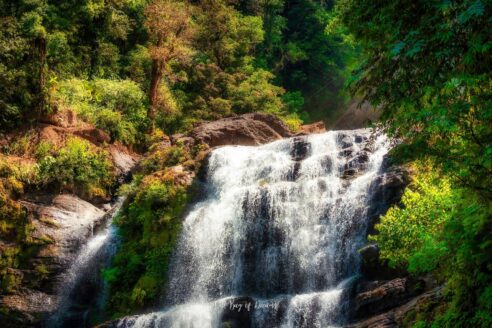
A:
(274, 243)
(82, 289)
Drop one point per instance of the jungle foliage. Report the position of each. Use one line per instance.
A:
(179, 61)
(138, 69)
(149, 225)
(427, 65)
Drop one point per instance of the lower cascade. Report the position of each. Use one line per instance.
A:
(274, 242)
(82, 289)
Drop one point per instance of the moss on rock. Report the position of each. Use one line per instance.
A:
(149, 225)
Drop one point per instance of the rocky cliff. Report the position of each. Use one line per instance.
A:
(57, 220)
(381, 298)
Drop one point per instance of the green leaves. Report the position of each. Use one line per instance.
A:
(77, 167)
(149, 224)
(408, 234)
(32, 25)
(397, 48)
(116, 106)
(475, 9)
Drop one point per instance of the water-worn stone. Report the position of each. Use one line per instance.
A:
(395, 317)
(382, 297)
(373, 268)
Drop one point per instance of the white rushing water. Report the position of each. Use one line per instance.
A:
(82, 290)
(275, 241)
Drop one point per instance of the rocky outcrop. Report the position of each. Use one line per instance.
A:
(249, 129)
(402, 315)
(373, 268)
(378, 296)
(123, 160)
(382, 289)
(316, 127)
(67, 220)
(387, 190)
(388, 297)
(61, 223)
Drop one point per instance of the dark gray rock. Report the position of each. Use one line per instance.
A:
(238, 313)
(373, 268)
(395, 317)
(67, 221)
(386, 191)
(381, 297)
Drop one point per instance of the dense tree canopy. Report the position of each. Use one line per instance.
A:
(428, 66)
(195, 59)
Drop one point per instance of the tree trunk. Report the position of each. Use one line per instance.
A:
(40, 54)
(156, 78)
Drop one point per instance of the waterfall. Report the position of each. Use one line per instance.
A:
(82, 290)
(274, 243)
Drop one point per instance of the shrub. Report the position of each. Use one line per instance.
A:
(292, 121)
(22, 145)
(407, 232)
(115, 106)
(117, 127)
(444, 230)
(43, 149)
(77, 166)
(149, 225)
(14, 225)
(165, 157)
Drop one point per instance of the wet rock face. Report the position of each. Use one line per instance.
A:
(67, 221)
(394, 317)
(387, 190)
(376, 297)
(248, 129)
(300, 150)
(357, 160)
(381, 288)
(373, 268)
(238, 313)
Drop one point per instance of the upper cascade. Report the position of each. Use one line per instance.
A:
(274, 243)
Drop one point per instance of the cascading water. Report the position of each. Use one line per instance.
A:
(274, 244)
(82, 290)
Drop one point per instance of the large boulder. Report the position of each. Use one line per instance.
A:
(402, 314)
(378, 296)
(123, 160)
(61, 224)
(386, 190)
(66, 219)
(374, 268)
(248, 129)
